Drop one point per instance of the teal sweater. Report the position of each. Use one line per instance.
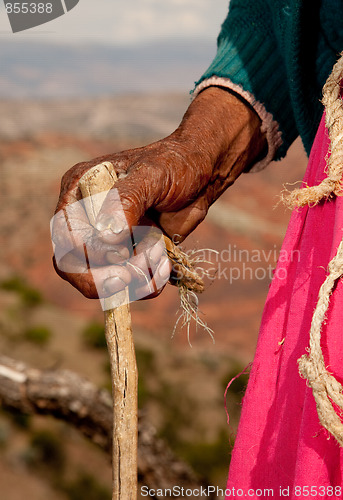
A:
(282, 52)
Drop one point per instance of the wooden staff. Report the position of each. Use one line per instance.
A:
(98, 181)
(118, 332)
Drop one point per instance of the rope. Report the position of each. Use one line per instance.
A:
(332, 184)
(327, 391)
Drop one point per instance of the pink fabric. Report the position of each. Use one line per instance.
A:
(280, 442)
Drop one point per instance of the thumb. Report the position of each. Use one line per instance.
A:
(125, 205)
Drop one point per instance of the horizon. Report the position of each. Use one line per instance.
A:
(51, 70)
(111, 48)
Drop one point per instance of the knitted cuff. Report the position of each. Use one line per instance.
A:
(269, 126)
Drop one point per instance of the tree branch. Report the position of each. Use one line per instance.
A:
(69, 397)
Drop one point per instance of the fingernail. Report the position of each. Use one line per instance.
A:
(103, 222)
(155, 253)
(114, 257)
(107, 222)
(113, 285)
(164, 269)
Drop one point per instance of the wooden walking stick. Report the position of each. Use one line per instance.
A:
(94, 186)
(118, 332)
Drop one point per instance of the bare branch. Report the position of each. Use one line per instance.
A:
(69, 397)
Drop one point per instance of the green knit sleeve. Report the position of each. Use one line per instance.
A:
(250, 61)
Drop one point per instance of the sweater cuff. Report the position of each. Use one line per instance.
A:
(269, 126)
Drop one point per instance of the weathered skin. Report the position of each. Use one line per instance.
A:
(171, 182)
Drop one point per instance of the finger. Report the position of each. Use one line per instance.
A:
(70, 191)
(151, 296)
(143, 240)
(71, 231)
(71, 264)
(140, 288)
(68, 224)
(133, 195)
(95, 282)
(148, 238)
(105, 281)
(149, 250)
(82, 281)
(111, 279)
(101, 254)
(112, 225)
(118, 254)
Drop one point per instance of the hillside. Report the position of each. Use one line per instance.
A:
(181, 387)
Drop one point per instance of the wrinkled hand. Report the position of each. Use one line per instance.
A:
(169, 184)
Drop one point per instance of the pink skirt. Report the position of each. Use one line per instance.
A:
(281, 449)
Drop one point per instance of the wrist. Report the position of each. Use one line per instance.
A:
(224, 133)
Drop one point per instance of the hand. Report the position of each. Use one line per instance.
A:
(139, 262)
(170, 183)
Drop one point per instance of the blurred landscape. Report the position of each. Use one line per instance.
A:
(45, 70)
(48, 324)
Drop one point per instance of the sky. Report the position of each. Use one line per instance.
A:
(111, 46)
(127, 22)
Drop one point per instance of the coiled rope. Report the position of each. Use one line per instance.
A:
(327, 391)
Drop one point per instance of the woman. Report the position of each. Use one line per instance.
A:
(261, 91)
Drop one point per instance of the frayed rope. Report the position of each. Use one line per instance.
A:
(332, 184)
(327, 391)
(185, 275)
